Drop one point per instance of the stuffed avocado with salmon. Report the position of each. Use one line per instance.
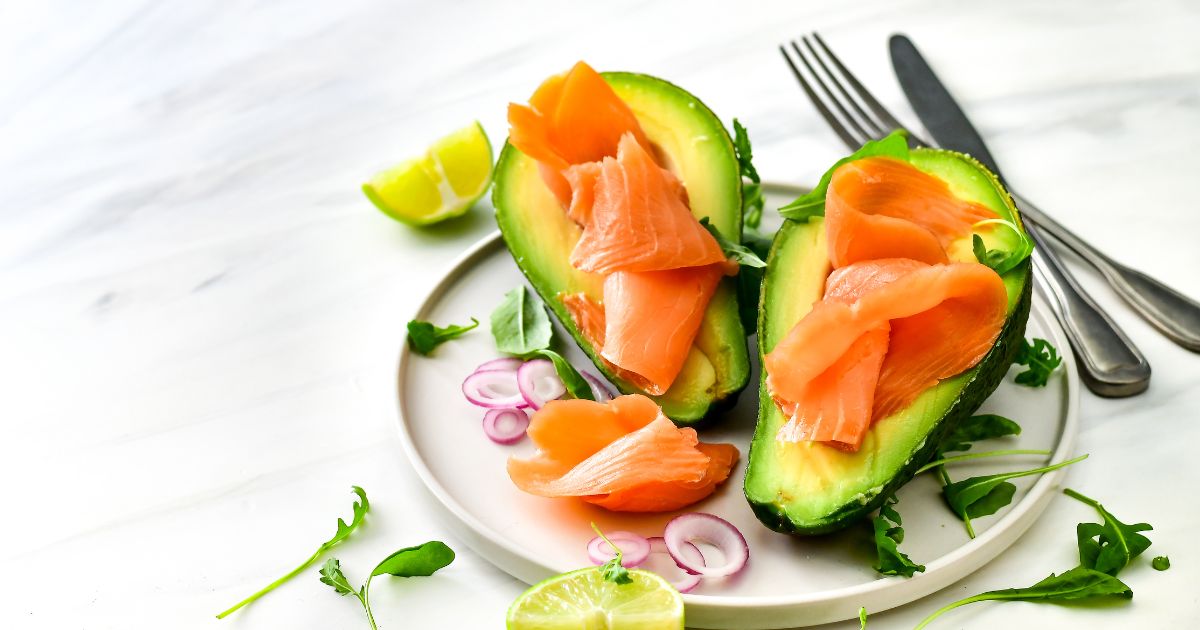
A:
(598, 195)
(880, 329)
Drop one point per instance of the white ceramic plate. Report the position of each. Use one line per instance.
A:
(790, 581)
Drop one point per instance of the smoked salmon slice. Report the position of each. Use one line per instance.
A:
(885, 331)
(881, 207)
(623, 455)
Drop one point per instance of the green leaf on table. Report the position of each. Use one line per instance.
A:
(520, 324)
(1077, 584)
(331, 574)
(613, 570)
(419, 561)
(981, 427)
(576, 385)
(738, 252)
(812, 204)
(988, 491)
(1040, 358)
(1108, 547)
(888, 536)
(752, 197)
(423, 336)
(1161, 563)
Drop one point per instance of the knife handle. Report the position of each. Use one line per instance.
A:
(1110, 365)
(1174, 314)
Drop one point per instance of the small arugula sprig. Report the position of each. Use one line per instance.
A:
(1110, 546)
(521, 327)
(1040, 358)
(975, 428)
(740, 254)
(984, 495)
(812, 204)
(424, 336)
(343, 531)
(752, 195)
(613, 571)
(419, 561)
(888, 536)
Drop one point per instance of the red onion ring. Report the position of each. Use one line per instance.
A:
(600, 391)
(538, 382)
(714, 530)
(634, 549)
(493, 389)
(505, 426)
(661, 562)
(503, 364)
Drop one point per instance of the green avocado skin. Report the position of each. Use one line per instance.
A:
(771, 510)
(994, 366)
(528, 222)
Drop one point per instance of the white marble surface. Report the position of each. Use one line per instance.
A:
(200, 313)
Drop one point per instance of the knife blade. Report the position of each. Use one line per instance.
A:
(1111, 365)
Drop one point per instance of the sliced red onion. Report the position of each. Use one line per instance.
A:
(493, 389)
(538, 382)
(634, 549)
(505, 426)
(600, 391)
(503, 364)
(714, 530)
(661, 562)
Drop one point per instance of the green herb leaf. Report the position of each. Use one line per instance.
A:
(970, 456)
(1161, 563)
(419, 561)
(989, 491)
(888, 536)
(740, 254)
(1111, 546)
(613, 571)
(361, 507)
(423, 336)
(1076, 584)
(862, 618)
(331, 574)
(895, 145)
(1040, 358)
(981, 427)
(752, 197)
(577, 386)
(520, 324)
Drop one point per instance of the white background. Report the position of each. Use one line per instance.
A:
(200, 314)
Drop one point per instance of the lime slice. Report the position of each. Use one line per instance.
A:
(440, 185)
(584, 600)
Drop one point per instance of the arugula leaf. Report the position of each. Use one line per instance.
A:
(888, 536)
(577, 386)
(1076, 584)
(1161, 563)
(862, 618)
(613, 571)
(419, 561)
(749, 281)
(981, 496)
(981, 427)
(520, 324)
(1040, 358)
(895, 145)
(360, 509)
(969, 456)
(752, 197)
(740, 254)
(1111, 546)
(423, 336)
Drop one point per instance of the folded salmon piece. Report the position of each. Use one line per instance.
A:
(623, 455)
(880, 207)
(885, 331)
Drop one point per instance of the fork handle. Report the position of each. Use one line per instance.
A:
(1110, 365)
(1174, 314)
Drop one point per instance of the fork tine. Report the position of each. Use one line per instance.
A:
(865, 95)
(829, 94)
(863, 115)
(829, 117)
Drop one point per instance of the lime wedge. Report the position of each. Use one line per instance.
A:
(440, 185)
(584, 600)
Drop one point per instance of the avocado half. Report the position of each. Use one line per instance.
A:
(689, 140)
(810, 488)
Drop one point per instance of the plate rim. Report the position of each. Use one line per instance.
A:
(1002, 534)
